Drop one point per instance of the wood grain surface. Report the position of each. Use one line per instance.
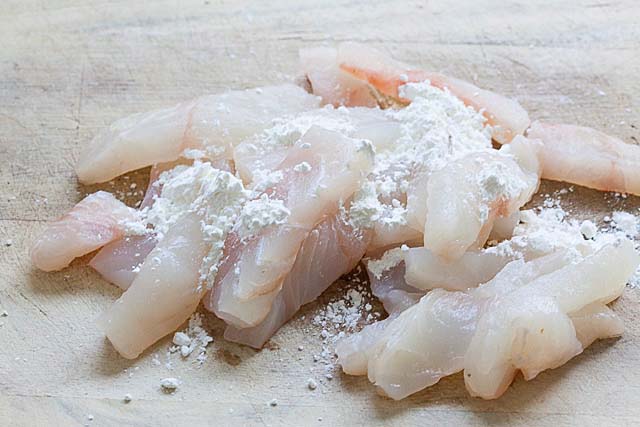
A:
(68, 68)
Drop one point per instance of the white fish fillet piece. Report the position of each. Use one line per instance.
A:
(117, 262)
(213, 123)
(164, 293)
(331, 249)
(596, 321)
(587, 157)
(336, 87)
(464, 198)
(95, 221)
(243, 296)
(392, 289)
(267, 149)
(423, 344)
(532, 316)
(506, 117)
(391, 235)
(397, 296)
(529, 328)
(425, 271)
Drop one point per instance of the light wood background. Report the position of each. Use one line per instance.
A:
(68, 68)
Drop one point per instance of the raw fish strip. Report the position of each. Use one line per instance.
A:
(265, 151)
(164, 293)
(584, 156)
(320, 65)
(397, 297)
(95, 221)
(596, 321)
(213, 123)
(506, 117)
(423, 344)
(393, 291)
(529, 328)
(425, 271)
(243, 296)
(118, 261)
(333, 248)
(465, 198)
(532, 316)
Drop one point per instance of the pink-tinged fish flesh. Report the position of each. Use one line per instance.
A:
(587, 157)
(95, 221)
(333, 248)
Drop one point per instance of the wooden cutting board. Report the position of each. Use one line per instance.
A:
(68, 68)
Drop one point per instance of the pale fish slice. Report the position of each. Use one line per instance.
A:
(263, 152)
(335, 166)
(336, 87)
(596, 321)
(425, 271)
(213, 123)
(119, 261)
(402, 354)
(423, 344)
(506, 117)
(587, 157)
(332, 249)
(163, 295)
(96, 220)
(529, 329)
(465, 198)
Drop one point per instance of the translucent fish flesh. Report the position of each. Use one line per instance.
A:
(331, 249)
(95, 221)
(505, 115)
(255, 268)
(212, 124)
(587, 157)
(164, 293)
(530, 317)
(118, 262)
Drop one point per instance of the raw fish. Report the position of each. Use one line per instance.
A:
(254, 269)
(213, 124)
(506, 117)
(95, 221)
(333, 248)
(164, 293)
(587, 157)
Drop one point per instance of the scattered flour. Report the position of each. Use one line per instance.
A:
(340, 317)
(433, 130)
(389, 259)
(264, 179)
(260, 213)
(625, 222)
(169, 385)
(193, 340)
(302, 167)
(588, 229)
(215, 195)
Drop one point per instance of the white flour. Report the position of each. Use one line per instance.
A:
(216, 196)
(389, 260)
(626, 223)
(260, 213)
(434, 129)
(193, 340)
